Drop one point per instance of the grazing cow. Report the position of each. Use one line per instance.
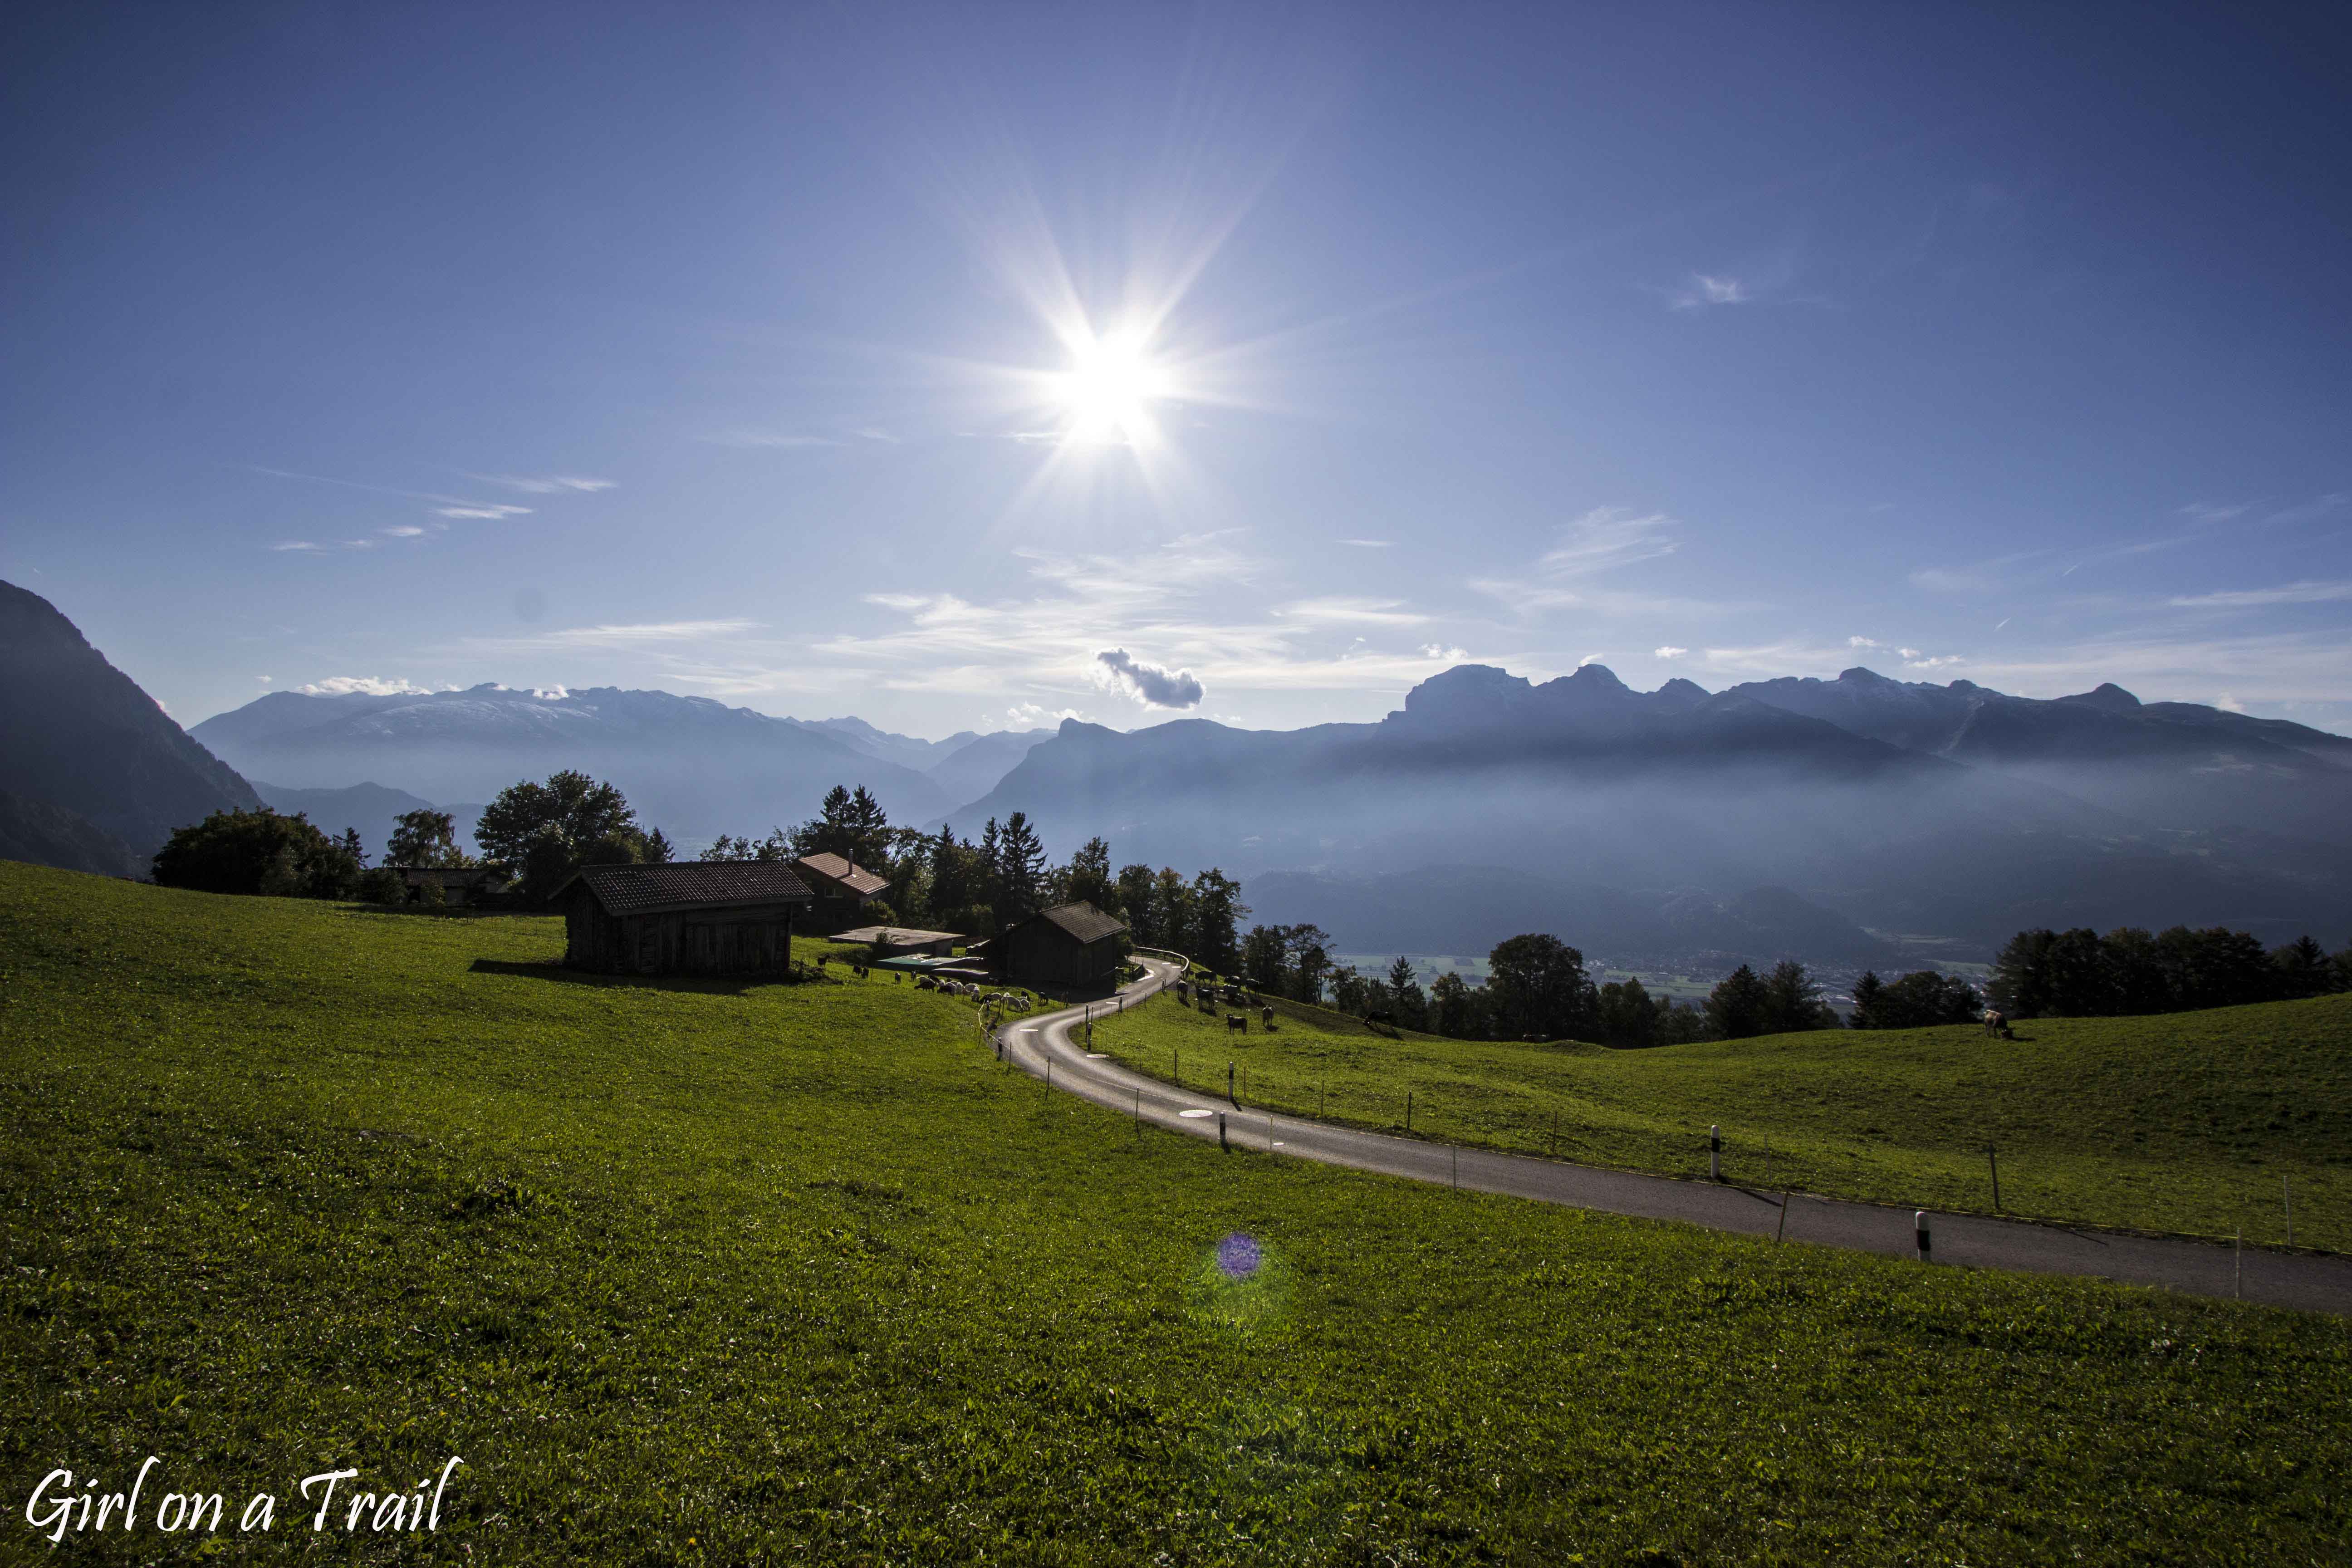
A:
(1997, 1023)
(925, 982)
(1380, 1016)
(1265, 1017)
(1237, 1021)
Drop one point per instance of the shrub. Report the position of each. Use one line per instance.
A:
(258, 852)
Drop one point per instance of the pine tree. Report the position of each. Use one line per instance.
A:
(1405, 997)
(1865, 1001)
(1020, 880)
(1793, 1002)
(1737, 1007)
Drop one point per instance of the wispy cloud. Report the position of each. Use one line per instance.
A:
(790, 440)
(462, 509)
(1977, 577)
(1368, 543)
(1668, 651)
(1343, 610)
(754, 439)
(544, 484)
(303, 544)
(634, 635)
(487, 512)
(1604, 539)
(2306, 593)
(1706, 289)
(1863, 642)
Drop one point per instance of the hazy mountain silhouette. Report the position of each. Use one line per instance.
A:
(370, 807)
(972, 769)
(2171, 764)
(966, 765)
(691, 766)
(1581, 783)
(48, 834)
(78, 735)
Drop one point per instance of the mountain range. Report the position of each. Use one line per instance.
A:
(1845, 819)
(696, 767)
(1949, 812)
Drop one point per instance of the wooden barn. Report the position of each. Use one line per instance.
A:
(693, 918)
(1074, 946)
(841, 888)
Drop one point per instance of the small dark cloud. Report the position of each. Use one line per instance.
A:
(1148, 682)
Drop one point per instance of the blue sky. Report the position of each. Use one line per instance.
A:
(905, 360)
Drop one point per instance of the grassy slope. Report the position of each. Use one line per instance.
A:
(802, 1272)
(2181, 1123)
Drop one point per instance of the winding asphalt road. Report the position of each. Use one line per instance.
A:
(2311, 1282)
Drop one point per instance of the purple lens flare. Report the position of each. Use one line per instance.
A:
(1238, 1256)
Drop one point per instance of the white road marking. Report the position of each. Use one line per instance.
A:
(1193, 1115)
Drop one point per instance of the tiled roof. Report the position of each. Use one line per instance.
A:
(690, 884)
(1083, 920)
(840, 868)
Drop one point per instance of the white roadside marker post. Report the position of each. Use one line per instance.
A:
(1926, 1242)
(1221, 1134)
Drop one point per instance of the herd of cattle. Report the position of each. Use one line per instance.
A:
(1208, 999)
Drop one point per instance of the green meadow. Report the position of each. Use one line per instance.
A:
(728, 1274)
(2192, 1122)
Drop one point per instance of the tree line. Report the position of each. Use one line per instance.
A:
(535, 833)
(2079, 973)
(1538, 987)
(981, 885)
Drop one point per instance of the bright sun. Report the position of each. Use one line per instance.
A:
(1108, 390)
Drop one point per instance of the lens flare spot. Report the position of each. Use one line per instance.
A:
(1240, 1287)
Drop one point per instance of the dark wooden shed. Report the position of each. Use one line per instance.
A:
(1074, 946)
(695, 918)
